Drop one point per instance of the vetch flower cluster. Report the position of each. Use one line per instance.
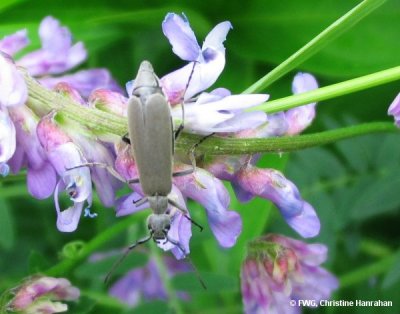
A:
(54, 150)
(42, 295)
(278, 269)
(49, 146)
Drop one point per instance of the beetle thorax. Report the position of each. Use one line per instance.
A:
(158, 203)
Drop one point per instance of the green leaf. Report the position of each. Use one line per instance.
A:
(7, 235)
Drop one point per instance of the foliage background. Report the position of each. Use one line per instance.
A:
(353, 184)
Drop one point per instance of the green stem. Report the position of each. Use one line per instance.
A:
(363, 273)
(90, 247)
(331, 91)
(166, 280)
(230, 146)
(317, 43)
(42, 101)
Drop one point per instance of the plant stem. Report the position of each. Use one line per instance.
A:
(317, 43)
(231, 146)
(331, 91)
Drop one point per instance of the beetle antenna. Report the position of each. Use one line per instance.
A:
(189, 260)
(181, 126)
(127, 251)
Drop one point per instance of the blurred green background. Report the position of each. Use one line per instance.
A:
(353, 185)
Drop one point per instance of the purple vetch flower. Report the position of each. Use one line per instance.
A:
(301, 117)
(272, 185)
(13, 43)
(207, 190)
(278, 269)
(13, 90)
(64, 154)
(41, 176)
(219, 111)
(394, 110)
(209, 59)
(38, 295)
(145, 283)
(57, 54)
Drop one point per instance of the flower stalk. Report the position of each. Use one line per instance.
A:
(333, 31)
(42, 100)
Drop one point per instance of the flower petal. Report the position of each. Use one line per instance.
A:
(84, 81)
(394, 109)
(13, 43)
(7, 137)
(204, 188)
(272, 185)
(301, 117)
(181, 37)
(68, 219)
(13, 91)
(125, 205)
(57, 54)
(41, 181)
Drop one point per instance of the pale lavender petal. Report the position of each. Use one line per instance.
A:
(306, 223)
(394, 109)
(13, 43)
(217, 36)
(77, 181)
(106, 184)
(318, 284)
(68, 219)
(242, 195)
(181, 229)
(304, 82)
(57, 54)
(242, 121)
(181, 37)
(53, 36)
(85, 81)
(41, 181)
(237, 102)
(4, 169)
(18, 160)
(125, 205)
(13, 90)
(211, 114)
(127, 289)
(204, 188)
(7, 136)
(301, 117)
(203, 73)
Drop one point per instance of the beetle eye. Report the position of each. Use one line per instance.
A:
(167, 227)
(149, 227)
